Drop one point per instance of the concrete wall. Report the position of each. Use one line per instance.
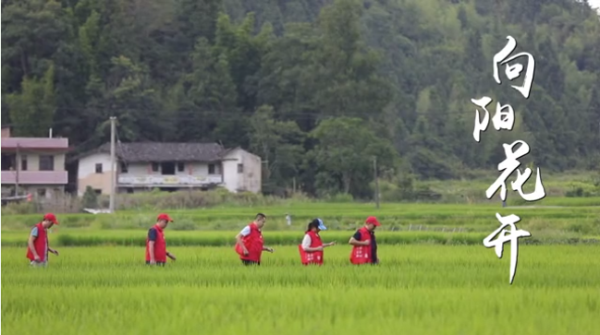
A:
(32, 179)
(87, 176)
(33, 160)
(250, 179)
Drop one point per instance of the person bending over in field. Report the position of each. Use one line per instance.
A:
(37, 246)
(364, 250)
(156, 247)
(249, 242)
(311, 249)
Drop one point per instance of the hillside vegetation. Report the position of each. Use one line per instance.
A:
(313, 87)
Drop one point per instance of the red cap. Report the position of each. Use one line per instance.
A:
(51, 217)
(164, 216)
(373, 220)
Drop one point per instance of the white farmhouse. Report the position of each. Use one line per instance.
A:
(169, 166)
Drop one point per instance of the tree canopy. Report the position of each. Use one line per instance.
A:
(316, 88)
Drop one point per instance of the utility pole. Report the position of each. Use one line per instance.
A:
(112, 164)
(294, 185)
(266, 173)
(376, 181)
(18, 167)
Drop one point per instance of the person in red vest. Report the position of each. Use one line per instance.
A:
(364, 250)
(37, 246)
(156, 247)
(311, 249)
(249, 242)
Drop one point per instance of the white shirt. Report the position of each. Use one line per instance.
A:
(306, 241)
(246, 231)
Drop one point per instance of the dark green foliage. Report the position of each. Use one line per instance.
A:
(90, 198)
(316, 88)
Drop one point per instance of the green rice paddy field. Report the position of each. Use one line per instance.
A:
(429, 281)
(417, 289)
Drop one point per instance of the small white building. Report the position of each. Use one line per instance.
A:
(144, 166)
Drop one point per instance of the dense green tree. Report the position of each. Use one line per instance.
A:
(279, 144)
(32, 109)
(362, 78)
(344, 155)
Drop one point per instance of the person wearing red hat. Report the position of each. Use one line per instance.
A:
(364, 244)
(37, 246)
(156, 247)
(249, 242)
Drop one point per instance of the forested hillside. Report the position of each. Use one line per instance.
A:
(315, 88)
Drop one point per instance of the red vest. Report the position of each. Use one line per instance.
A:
(361, 254)
(160, 246)
(313, 257)
(253, 242)
(40, 244)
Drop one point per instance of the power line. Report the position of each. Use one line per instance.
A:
(112, 163)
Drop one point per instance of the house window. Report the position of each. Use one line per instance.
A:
(41, 192)
(23, 163)
(168, 168)
(98, 191)
(98, 167)
(180, 166)
(46, 163)
(214, 169)
(155, 167)
(240, 168)
(124, 167)
(8, 162)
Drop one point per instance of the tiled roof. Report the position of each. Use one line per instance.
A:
(161, 152)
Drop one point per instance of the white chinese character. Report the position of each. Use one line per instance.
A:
(511, 235)
(514, 71)
(503, 119)
(538, 194)
(508, 166)
(481, 126)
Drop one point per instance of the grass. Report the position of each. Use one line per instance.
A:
(435, 276)
(421, 289)
(224, 218)
(405, 223)
(86, 238)
(402, 224)
(556, 185)
(570, 188)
